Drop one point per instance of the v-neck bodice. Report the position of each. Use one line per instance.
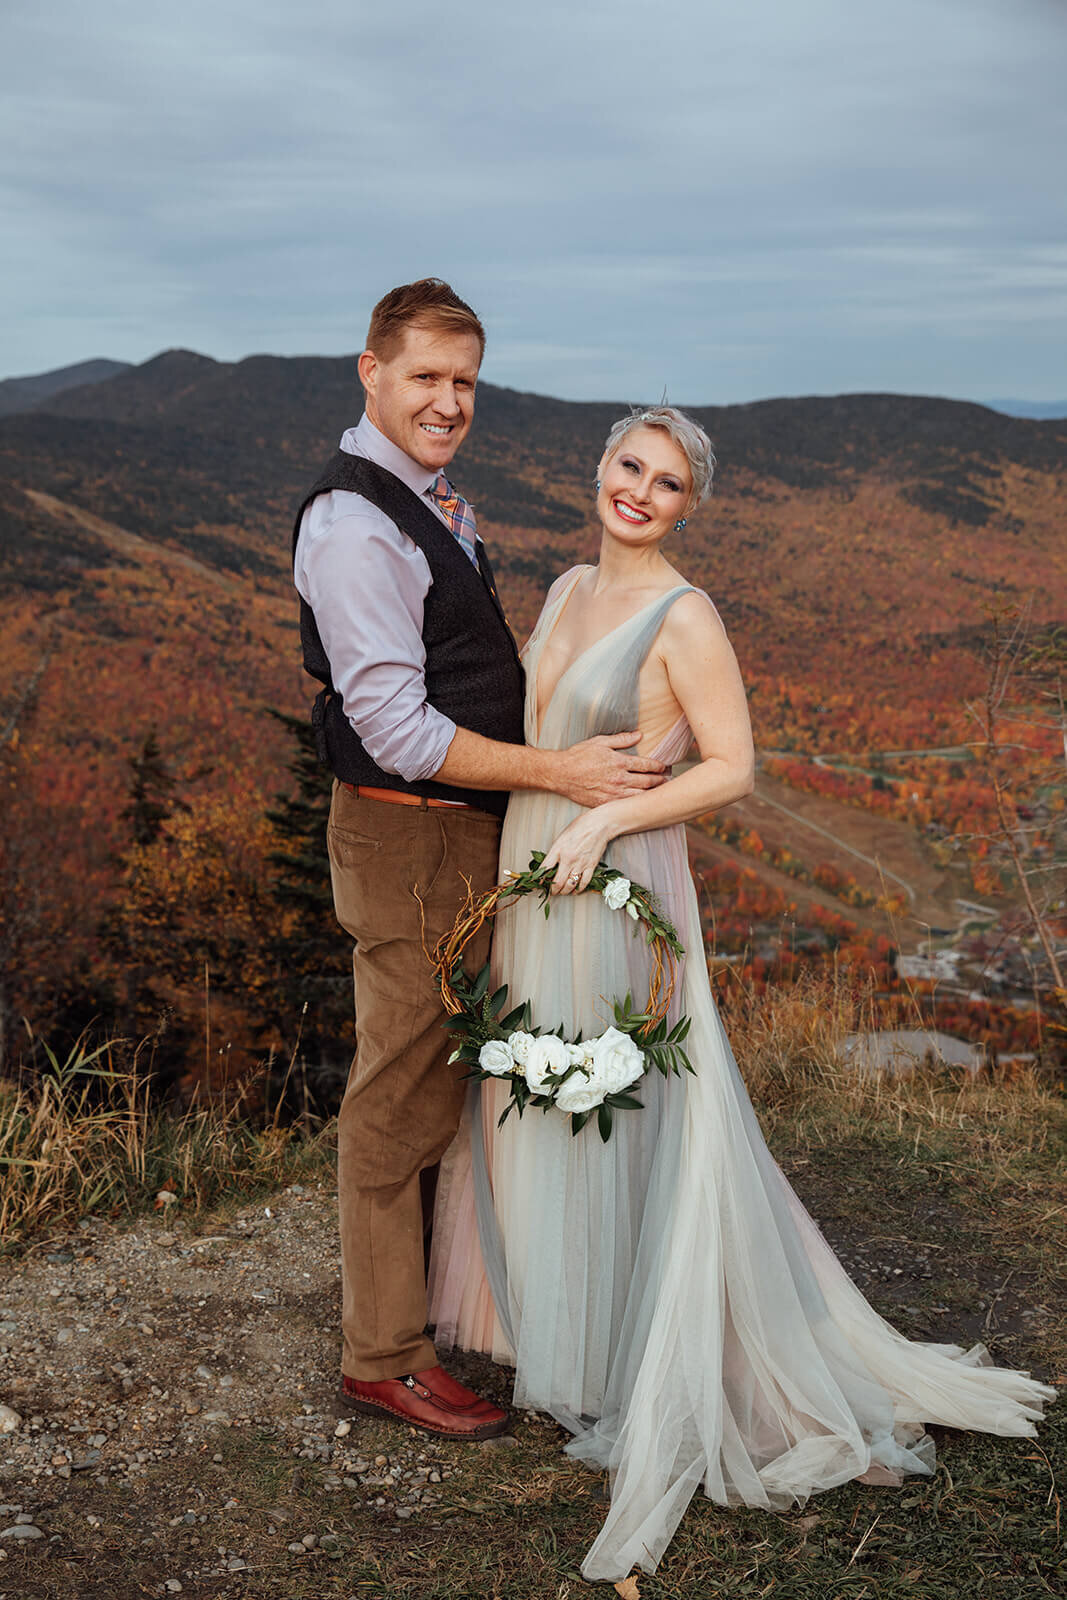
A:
(599, 692)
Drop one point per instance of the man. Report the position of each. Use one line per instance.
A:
(421, 721)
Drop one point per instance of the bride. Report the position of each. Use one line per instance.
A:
(664, 1295)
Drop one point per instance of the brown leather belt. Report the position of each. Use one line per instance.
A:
(398, 797)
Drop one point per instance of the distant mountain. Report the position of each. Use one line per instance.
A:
(22, 394)
(849, 536)
(854, 547)
(1041, 411)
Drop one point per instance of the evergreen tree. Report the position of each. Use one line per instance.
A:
(310, 1007)
(151, 798)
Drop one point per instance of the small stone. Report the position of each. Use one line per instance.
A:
(295, 1549)
(22, 1530)
(173, 1586)
(404, 1511)
(59, 1258)
(205, 1373)
(309, 1541)
(216, 1416)
(381, 1461)
(82, 1462)
(342, 1430)
(9, 1420)
(64, 1335)
(236, 1564)
(503, 1441)
(192, 1407)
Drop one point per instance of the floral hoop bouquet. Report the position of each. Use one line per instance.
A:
(575, 1076)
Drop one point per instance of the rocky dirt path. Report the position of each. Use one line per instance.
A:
(168, 1424)
(135, 1360)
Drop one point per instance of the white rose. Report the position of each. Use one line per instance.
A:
(617, 1062)
(548, 1055)
(617, 893)
(495, 1057)
(580, 1093)
(519, 1045)
(579, 1055)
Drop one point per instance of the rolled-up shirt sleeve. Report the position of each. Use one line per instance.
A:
(366, 585)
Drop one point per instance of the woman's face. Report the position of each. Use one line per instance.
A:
(644, 487)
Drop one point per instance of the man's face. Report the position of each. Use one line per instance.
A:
(422, 398)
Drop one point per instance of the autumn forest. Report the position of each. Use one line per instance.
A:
(891, 571)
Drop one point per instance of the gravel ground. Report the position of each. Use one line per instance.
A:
(169, 1421)
(139, 1352)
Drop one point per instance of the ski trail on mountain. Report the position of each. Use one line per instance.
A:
(133, 544)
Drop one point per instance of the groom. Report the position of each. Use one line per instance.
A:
(421, 720)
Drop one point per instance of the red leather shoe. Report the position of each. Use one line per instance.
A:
(456, 1396)
(413, 1401)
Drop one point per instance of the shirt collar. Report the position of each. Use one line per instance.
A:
(367, 440)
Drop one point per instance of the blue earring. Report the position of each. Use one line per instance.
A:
(679, 525)
(597, 486)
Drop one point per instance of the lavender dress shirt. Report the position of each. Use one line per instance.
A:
(366, 583)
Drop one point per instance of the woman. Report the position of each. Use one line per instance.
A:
(665, 1295)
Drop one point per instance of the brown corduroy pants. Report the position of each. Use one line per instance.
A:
(403, 1101)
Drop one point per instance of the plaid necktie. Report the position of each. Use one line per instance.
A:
(460, 514)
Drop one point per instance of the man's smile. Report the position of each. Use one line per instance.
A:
(437, 429)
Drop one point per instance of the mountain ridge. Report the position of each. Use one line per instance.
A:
(23, 393)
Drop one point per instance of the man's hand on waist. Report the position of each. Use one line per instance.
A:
(590, 773)
(606, 768)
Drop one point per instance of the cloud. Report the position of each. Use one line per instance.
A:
(619, 188)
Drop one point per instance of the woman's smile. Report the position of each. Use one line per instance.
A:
(628, 512)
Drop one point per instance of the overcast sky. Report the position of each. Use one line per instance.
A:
(723, 200)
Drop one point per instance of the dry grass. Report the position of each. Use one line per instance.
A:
(89, 1136)
(787, 1043)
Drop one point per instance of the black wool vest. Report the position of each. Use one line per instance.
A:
(473, 672)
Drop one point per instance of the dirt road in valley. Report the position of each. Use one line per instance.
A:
(868, 847)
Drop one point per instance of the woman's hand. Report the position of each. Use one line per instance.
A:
(579, 848)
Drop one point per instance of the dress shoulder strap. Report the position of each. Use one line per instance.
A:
(619, 703)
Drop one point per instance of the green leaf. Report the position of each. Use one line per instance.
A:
(481, 984)
(578, 1121)
(603, 1118)
(626, 1101)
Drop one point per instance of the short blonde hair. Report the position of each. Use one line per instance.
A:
(688, 435)
(427, 303)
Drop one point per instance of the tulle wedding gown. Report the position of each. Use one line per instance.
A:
(665, 1296)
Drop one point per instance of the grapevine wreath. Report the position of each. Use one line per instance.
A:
(579, 1076)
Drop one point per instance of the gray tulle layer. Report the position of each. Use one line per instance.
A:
(665, 1296)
